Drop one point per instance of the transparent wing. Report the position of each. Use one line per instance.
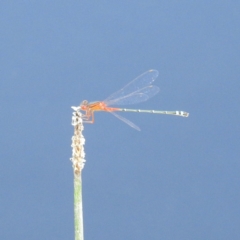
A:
(131, 124)
(136, 97)
(138, 90)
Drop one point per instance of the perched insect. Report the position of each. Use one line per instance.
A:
(138, 90)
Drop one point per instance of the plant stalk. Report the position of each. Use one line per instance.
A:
(78, 161)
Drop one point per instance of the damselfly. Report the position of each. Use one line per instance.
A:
(138, 90)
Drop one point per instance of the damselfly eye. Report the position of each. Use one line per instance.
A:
(84, 103)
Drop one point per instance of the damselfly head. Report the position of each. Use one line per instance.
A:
(84, 104)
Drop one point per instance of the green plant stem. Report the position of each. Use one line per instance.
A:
(78, 209)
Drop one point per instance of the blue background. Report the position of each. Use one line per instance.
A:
(176, 179)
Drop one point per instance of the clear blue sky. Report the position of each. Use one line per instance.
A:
(176, 179)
